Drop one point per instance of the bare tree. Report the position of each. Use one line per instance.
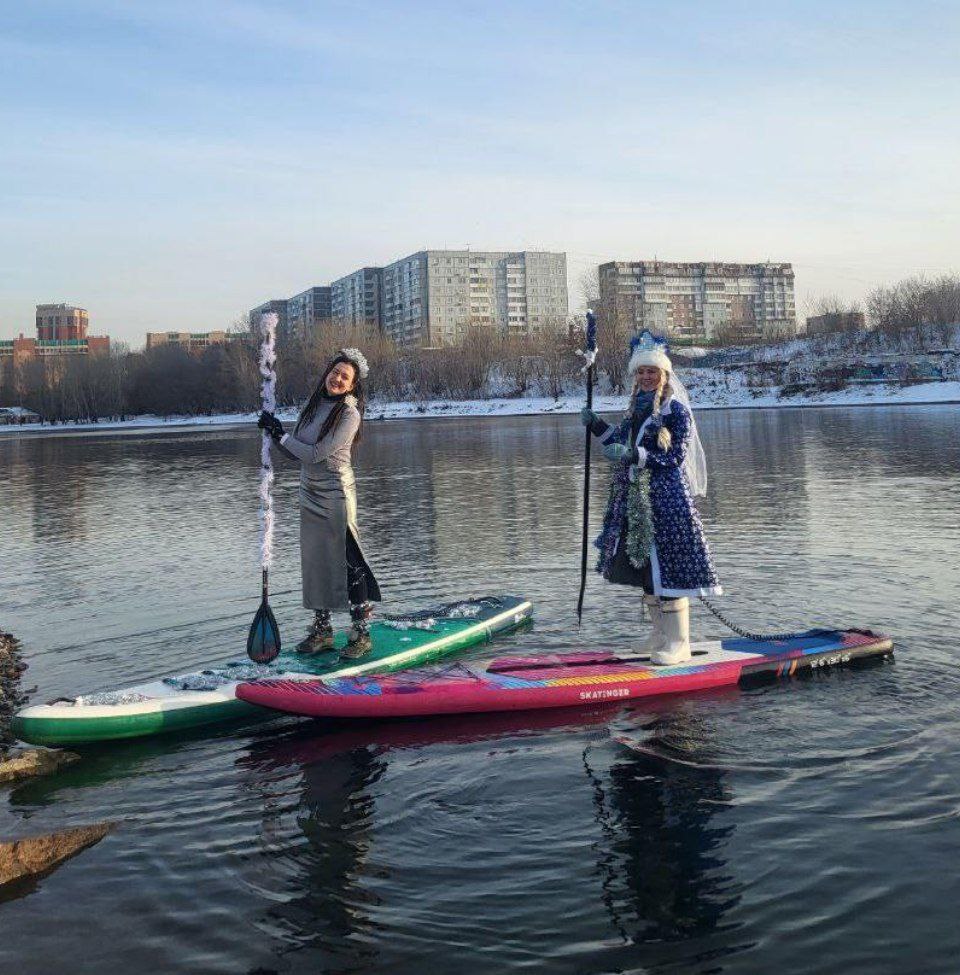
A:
(588, 287)
(614, 330)
(914, 303)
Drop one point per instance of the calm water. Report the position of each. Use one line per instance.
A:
(807, 826)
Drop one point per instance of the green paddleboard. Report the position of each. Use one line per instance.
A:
(208, 696)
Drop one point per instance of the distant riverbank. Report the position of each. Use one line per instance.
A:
(709, 389)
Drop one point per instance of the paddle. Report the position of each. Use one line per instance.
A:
(589, 354)
(263, 641)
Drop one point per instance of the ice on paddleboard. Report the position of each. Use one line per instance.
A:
(208, 696)
(556, 681)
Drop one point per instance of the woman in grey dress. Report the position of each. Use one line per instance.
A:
(335, 572)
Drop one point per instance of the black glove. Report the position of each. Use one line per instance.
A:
(271, 424)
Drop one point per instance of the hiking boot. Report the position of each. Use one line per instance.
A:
(319, 638)
(359, 644)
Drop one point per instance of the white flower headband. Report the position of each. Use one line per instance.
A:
(358, 359)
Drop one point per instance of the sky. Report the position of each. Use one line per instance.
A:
(170, 165)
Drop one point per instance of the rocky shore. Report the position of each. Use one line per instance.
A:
(12, 697)
(31, 857)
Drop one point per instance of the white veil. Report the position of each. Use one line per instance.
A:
(695, 463)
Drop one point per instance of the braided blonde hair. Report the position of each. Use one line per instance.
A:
(663, 391)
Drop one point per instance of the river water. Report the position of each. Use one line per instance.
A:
(805, 826)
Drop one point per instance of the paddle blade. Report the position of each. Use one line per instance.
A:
(263, 641)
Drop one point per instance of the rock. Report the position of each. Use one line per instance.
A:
(35, 761)
(36, 855)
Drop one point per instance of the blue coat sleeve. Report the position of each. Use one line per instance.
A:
(677, 421)
(615, 434)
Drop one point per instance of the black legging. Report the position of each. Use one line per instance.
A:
(624, 573)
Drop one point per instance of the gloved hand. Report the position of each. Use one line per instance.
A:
(587, 416)
(617, 453)
(271, 424)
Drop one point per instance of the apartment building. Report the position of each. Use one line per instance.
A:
(838, 321)
(355, 298)
(704, 302)
(61, 330)
(307, 310)
(61, 323)
(191, 341)
(432, 298)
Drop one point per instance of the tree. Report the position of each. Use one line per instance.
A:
(614, 331)
(915, 302)
(588, 287)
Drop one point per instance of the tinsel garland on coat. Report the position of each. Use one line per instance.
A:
(652, 502)
(631, 499)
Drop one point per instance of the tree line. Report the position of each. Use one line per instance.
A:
(224, 378)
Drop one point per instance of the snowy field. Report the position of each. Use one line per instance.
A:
(709, 389)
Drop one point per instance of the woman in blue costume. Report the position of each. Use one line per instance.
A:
(652, 536)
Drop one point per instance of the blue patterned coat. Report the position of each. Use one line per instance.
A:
(679, 559)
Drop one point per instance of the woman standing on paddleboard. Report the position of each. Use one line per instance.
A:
(652, 537)
(335, 573)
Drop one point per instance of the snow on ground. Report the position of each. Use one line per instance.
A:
(709, 389)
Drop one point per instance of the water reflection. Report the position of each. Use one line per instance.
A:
(378, 846)
(664, 793)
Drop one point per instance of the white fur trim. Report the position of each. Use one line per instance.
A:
(589, 358)
(649, 357)
(358, 359)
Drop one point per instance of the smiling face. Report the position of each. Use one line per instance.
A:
(649, 378)
(340, 379)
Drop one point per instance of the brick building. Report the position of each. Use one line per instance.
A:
(61, 331)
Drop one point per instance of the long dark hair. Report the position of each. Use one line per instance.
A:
(319, 394)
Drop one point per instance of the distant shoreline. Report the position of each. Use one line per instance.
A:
(926, 394)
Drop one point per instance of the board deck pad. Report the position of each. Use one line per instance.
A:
(208, 696)
(518, 683)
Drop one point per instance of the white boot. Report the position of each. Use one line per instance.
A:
(675, 618)
(655, 640)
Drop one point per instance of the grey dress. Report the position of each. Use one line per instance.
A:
(328, 507)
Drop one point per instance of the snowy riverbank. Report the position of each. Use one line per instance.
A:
(709, 388)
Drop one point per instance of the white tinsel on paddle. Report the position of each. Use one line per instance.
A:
(268, 396)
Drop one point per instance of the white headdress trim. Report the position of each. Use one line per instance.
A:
(358, 359)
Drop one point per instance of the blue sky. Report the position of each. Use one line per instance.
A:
(172, 164)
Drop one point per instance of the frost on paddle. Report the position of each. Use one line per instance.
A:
(263, 641)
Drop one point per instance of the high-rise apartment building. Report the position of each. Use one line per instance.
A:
(307, 310)
(706, 302)
(432, 298)
(355, 299)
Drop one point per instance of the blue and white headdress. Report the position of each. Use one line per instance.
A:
(647, 349)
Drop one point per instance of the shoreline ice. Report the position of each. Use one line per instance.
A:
(712, 391)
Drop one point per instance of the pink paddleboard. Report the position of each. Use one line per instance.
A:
(524, 683)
